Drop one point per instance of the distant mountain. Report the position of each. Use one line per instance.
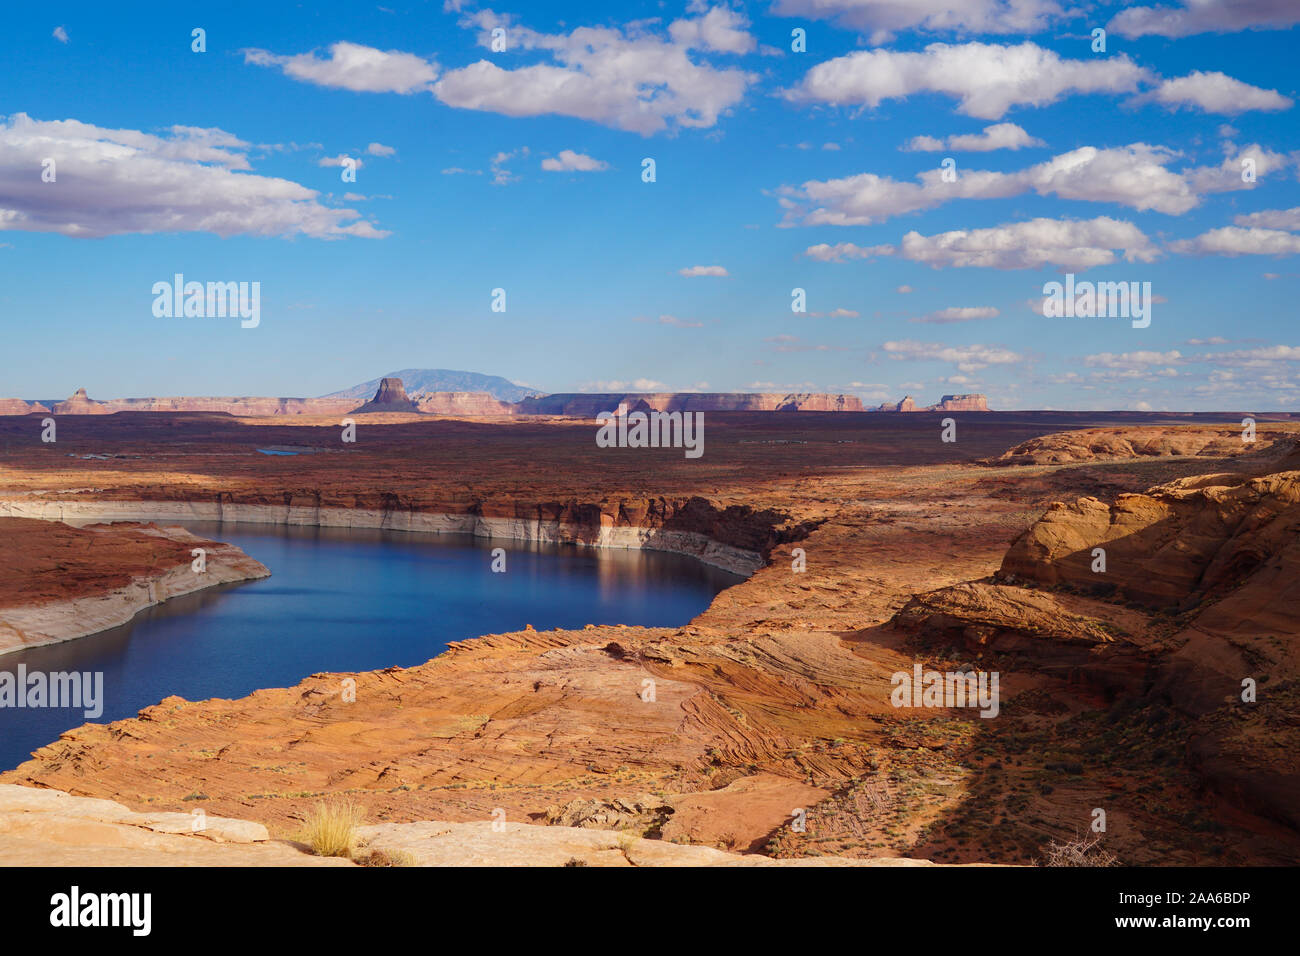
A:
(417, 380)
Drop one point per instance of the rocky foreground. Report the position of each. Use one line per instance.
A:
(1120, 690)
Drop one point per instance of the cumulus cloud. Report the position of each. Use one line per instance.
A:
(846, 250)
(721, 30)
(379, 149)
(113, 181)
(957, 314)
(60, 34)
(1238, 241)
(1205, 16)
(629, 78)
(967, 358)
(1136, 175)
(569, 161)
(883, 18)
(986, 79)
(1068, 243)
(1216, 93)
(1272, 219)
(997, 136)
(692, 271)
(351, 66)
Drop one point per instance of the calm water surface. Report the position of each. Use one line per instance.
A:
(350, 600)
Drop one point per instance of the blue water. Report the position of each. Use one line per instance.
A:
(350, 600)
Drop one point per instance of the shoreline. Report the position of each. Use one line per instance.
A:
(55, 622)
(533, 530)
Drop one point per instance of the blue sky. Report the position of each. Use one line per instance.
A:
(522, 169)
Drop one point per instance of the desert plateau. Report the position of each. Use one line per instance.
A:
(870, 546)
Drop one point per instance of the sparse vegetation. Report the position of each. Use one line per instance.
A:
(331, 828)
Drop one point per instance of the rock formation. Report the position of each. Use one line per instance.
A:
(81, 404)
(472, 404)
(16, 406)
(1186, 595)
(973, 402)
(1108, 444)
(390, 397)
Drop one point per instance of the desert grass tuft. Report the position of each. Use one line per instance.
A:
(331, 828)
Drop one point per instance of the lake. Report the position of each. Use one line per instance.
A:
(350, 600)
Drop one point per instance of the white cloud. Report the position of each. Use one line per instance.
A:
(843, 314)
(720, 30)
(903, 289)
(501, 175)
(1134, 175)
(340, 160)
(986, 79)
(1071, 244)
(702, 271)
(1133, 360)
(60, 34)
(1205, 16)
(997, 136)
(1216, 93)
(379, 149)
(351, 66)
(957, 314)
(882, 18)
(627, 78)
(677, 323)
(967, 358)
(846, 250)
(636, 385)
(1272, 219)
(569, 161)
(125, 181)
(1236, 241)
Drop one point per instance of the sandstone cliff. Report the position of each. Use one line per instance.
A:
(588, 405)
(973, 402)
(471, 404)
